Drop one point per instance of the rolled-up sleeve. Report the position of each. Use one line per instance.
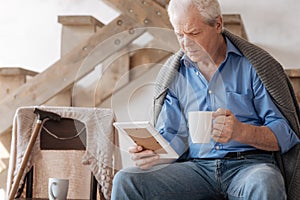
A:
(273, 118)
(286, 137)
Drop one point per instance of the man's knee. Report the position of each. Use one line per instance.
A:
(266, 177)
(262, 181)
(127, 179)
(268, 182)
(121, 177)
(127, 185)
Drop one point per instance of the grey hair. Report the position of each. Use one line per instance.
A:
(210, 10)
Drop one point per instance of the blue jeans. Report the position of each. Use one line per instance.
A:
(250, 177)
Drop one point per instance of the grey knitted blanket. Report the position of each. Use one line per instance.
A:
(277, 84)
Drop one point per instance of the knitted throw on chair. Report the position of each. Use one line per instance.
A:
(101, 155)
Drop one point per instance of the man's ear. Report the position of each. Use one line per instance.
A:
(219, 24)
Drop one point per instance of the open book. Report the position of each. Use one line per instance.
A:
(144, 134)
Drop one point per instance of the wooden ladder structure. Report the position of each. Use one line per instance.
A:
(106, 45)
(104, 61)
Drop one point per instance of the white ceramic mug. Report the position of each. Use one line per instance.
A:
(200, 126)
(58, 188)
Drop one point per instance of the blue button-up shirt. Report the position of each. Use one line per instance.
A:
(234, 86)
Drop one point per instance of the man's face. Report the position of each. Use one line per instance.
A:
(198, 39)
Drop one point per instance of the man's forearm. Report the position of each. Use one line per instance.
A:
(260, 137)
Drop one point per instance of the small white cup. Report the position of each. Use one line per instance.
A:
(200, 126)
(58, 188)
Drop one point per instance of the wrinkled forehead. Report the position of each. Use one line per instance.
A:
(186, 19)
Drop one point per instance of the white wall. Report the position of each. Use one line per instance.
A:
(30, 34)
(271, 24)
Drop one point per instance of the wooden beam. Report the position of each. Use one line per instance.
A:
(79, 20)
(133, 78)
(147, 13)
(163, 3)
(12, 71)
(294, 76)
(234, 23)
(76, 28)
(70, 68)
(293, 73)
(146, 56)
(113, 77)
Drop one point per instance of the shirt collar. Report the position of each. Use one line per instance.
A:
(230, 48)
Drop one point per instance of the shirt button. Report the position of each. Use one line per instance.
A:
(209, 91)
(217, 147)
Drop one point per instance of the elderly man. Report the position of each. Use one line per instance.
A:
(215, 71)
